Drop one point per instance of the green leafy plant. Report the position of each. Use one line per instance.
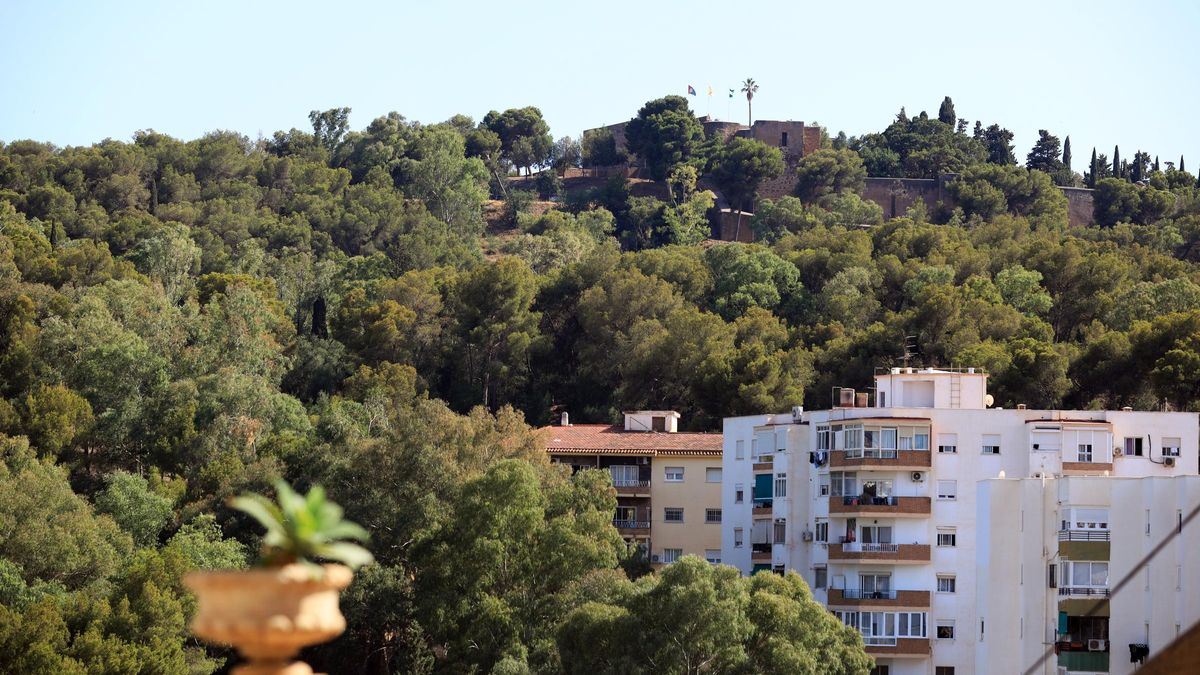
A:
(303, 528)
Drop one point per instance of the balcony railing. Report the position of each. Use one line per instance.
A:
(871, 453)
(631, 524)
(764, 502)
(859, 594)
(870, 501)
(626, 483)
(761, 547)
(1084, 535)
(858, 547)
(1087, 591)
(879, 641)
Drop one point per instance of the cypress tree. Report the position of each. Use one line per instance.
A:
(1095, 169)
(1117, 173)
(1156, 163)
(1181, 163)
(946, 112)
(1067, 154)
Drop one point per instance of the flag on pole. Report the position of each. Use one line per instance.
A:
(691, 90)
(730, 93)
(710, 92)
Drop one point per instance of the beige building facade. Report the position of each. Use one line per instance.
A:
(668, 482)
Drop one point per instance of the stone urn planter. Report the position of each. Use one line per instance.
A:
(269, 614)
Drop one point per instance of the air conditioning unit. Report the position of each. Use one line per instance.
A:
(1117, 452)
(656, 558)
(918, 476)
(1168, 461)
(806, 536)
(797, 412)
(1097, 645)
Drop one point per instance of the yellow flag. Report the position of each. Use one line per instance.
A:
(710, 90)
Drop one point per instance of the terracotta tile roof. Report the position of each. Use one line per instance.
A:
(614, 440)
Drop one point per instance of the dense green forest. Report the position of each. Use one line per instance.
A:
(181, 321)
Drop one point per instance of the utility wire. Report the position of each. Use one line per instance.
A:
(1175, 531)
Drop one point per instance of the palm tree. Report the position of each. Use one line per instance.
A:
(748, 88)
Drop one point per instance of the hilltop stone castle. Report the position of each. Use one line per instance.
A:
(797, 139)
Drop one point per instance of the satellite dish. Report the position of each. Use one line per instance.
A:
(988, 400)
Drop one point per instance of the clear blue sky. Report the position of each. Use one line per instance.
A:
(1103, 72)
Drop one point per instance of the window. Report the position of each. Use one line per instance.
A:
(780, 531)
(783, 141)
(881, 670)
(670, 555)
(943, 670)
(820, 577)
(875, 583)
(1085, 575)
(844, 484)
(821, 530)
(781, 485)
(712, 474)
(991, 444)
(674, 474)
(737, 537)
(624, 475)
(740, 452)
(1083, 518)
(739, 493)
(920, 440)
(947, 443)
(945, 630)
(658, 423)
(877, 534)
(710, 515)
(1170, 447)
(887, 439)
(947, 536)
(947, 489)
(754, 449)
(1133, 446)
(673, 515)
(713, 555)
(823, 488)
(1052, 576)
(1084, 452)
(823, 439)
(882, 628)
(946, 584)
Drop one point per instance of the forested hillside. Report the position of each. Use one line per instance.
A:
(181, 321)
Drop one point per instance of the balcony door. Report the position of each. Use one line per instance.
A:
(876, 534)
(875, 585)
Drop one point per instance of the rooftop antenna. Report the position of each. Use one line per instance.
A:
(910, 348)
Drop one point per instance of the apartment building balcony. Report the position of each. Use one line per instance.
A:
(1085, 544)
(892, 507)
(855, 597)
(1079, 662)
(894, 554)
(898, 647)
(632, 488)
(760, 553)
(632, 527)
(1086, 468)
(880, 458)
(1083, 592)
(762, 507)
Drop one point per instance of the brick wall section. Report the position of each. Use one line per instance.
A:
(915, 599)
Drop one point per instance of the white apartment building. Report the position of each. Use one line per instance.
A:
(900, 513)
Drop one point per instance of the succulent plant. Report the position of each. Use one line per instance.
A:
(302, 529)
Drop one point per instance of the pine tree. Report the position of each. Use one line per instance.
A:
(978, 131)
(946, 112)
(1117, 173)
(1067, 154)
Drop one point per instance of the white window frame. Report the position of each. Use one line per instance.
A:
(947, 490)
(739, 493)
(947, 537)
(673, 474)
(670, 555)
(1131, 443)
(950, 585)
(1171, 446)
(821, 530)
(739, 450)
(943, 623)
(820, 576)
(947, 444)
(780, 485)
(1084, 453)
(713, 555)
(991, 444)
(739, 540)
(708, 474)
(668, 510)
